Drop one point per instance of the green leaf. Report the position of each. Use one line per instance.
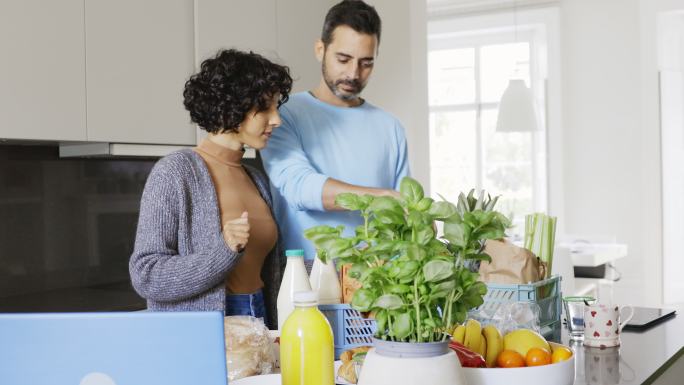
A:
(399, 289)
(408, 269)
(424, 204)
(425, 235)
(456, 233)
(363, 300)
(479, 257)
(350, 201)
(415, 219)
(442, 289)
(386, 203)
(389, 217)
(415, 252)
(437, 270)
(381, 320)
(437, 247)
(491, 204)
(411, 190)
(389, 302)
(357, 270)
(322, 231)
(382, 247)
(442, 210)
(402, 326)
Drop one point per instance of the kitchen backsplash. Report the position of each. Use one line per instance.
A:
(67, 228)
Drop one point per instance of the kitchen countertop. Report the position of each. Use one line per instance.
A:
(642, 358)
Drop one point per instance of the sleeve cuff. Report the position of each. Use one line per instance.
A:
(223, 255)
(312, 192)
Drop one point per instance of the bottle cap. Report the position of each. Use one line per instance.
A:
(306, 298)
(294, 253)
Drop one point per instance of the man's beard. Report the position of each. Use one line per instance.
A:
(344, 95)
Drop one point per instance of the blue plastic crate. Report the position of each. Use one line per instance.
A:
(545, 293)
(349, 328)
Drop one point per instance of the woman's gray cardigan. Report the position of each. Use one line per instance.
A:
(180, 260)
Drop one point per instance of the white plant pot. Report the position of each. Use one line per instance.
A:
(404, 363)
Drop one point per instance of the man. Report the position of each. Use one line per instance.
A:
(331, 140)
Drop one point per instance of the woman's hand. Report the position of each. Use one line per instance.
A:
(236, 232)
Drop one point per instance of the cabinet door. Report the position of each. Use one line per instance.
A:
(42, 64)
(245, 25)
(299, 26)
(138, 56)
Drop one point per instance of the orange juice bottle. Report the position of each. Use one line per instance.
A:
(306, 344)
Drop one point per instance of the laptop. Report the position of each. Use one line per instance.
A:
(132, 348)
(646, 317)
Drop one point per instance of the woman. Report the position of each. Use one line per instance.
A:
(207, 238)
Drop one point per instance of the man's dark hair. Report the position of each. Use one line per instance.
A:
(355, 14)
(231, 84)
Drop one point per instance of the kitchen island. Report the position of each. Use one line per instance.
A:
(653, 356)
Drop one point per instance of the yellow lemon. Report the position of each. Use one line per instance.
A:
(560, 353)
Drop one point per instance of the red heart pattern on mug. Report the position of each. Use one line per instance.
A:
(602, 326)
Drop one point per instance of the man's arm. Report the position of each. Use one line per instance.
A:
(290, 171)
(333, 187)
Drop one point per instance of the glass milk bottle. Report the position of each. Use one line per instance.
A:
(307, 350)
(294, 279)
(325, 281)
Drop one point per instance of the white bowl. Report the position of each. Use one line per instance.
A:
(560, 373)
(264, 379)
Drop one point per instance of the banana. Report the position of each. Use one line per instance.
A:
(458, 334)
(494, 344)
(482, 349)
(473, 331)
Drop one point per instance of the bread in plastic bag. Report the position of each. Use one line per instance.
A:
(249, 348)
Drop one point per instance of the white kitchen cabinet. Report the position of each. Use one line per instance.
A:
(138, 56)
(244, 25)
(42, 64)
(299, 26)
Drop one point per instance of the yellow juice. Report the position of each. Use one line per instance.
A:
(307, 348)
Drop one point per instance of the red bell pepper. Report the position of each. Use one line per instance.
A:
(468, 358)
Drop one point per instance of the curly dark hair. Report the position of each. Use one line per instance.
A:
(231, 84)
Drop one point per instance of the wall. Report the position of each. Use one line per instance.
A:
(612, 142)
(399, 80)
(608, 153)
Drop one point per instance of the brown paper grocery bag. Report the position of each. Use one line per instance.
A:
(510, 264)
(349, 284)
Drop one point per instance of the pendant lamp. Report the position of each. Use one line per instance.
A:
(516, 109)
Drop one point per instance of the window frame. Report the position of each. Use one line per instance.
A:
(546, 19)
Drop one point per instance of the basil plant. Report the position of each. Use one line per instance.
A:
(415, 284)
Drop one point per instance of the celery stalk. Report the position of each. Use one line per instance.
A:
(540, 236)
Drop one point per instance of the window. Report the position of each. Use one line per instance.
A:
(467, 74)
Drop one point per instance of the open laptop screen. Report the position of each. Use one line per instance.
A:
(112, 348)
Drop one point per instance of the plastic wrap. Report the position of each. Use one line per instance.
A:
(510, 316)
(249, 347)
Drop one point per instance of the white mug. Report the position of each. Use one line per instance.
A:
(605, 367)
(602, 326)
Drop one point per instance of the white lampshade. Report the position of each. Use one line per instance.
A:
(516, 110)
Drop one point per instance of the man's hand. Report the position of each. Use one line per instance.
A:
(236, 232)
(333, 187)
